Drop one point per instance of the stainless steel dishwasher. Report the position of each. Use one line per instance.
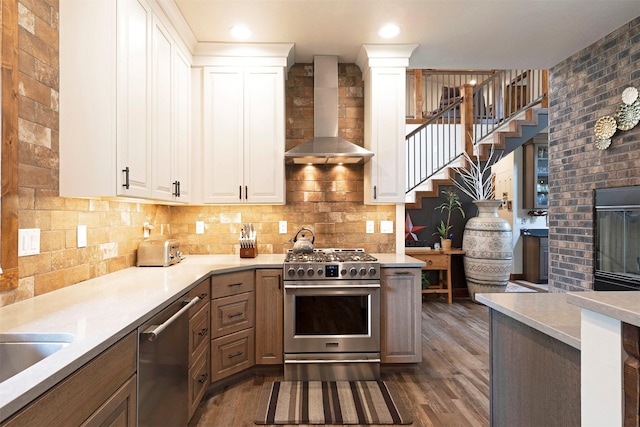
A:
(163, 367)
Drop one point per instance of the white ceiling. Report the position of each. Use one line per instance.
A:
(451, 34)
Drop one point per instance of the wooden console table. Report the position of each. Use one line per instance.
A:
(440, 260)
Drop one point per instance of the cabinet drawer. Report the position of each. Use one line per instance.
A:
(434, 262)
(198, 332)
(232, 314)
(203, 290)
(231, 284)
(198, 381)
(231, 354)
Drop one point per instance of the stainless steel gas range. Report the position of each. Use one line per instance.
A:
(332, 315)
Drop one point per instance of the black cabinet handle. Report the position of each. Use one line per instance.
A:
(176, 189)
(203, 332)
(375, 192)
(126, 177)
(246, 194)
(231, 356)
(231, 316)
(231, 285)
(203, 378)
(240, 192)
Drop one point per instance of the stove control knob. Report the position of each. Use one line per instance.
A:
(310, 272)
(320, 272)
(362, 271)
(372, 271)
(343, 272)
(352, 271)
(291, 271)
(301, 272)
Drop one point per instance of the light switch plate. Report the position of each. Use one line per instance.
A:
(370, 227)
(28, 241)
(199, 227)
(82, 236)
(386, 227)
(282, 227)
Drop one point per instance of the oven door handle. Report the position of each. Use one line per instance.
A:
(368, 286)
(327, 361)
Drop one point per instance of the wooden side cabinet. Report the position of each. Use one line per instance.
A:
(101, 393)
(536, 259)
(269, 317)
(199, 343)
(400, 319)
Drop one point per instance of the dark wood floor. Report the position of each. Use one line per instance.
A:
(449, 388)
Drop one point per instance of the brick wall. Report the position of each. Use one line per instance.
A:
(583, 88)
(329, 199)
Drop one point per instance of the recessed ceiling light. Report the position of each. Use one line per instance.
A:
(389, 31)
(240, 32)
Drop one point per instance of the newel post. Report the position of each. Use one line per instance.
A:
(466, 118)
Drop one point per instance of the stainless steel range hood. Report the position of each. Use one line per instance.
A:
(326, 146)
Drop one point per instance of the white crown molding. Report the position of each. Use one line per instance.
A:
(384, 55)
(257, 54)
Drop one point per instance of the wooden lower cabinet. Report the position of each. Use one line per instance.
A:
(269, 317)
(232, 323)
(400, 318)
(102, 392)
(199, 340)
(232, 353)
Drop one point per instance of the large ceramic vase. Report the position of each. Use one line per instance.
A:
(487, 242)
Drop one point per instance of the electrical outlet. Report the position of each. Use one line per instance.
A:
(370, 227)
(28, 241)
(199, 227)
(386, 227)
(282, 227)
(82, 236)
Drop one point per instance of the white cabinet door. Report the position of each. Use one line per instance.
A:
(133, 98)
(222, 133)
(162, 107)
(264, 134)
(385, 135)
(181, 166)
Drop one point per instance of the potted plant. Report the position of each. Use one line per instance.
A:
(451, 203)
(487, 239)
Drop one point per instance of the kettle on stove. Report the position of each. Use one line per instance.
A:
(302, 244)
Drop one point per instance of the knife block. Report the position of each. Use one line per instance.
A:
(249, 252)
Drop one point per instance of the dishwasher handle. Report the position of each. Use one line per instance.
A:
(152, 334)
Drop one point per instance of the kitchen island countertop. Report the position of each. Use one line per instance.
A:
(100, 311)
(549, 313)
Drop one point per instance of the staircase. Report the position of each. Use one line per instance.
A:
(473, 132)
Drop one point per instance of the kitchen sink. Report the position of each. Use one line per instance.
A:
(23, 350)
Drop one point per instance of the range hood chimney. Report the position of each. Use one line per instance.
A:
(326, 146)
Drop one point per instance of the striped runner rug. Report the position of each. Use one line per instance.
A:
(330, 402)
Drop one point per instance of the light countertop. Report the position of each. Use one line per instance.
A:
(549, 313)
(620, 305)
(100, 311)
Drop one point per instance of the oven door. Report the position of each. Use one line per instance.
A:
(335, 316)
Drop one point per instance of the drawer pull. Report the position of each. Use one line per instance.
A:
(203, 378)
(203, 296)
(203, 332)
(429, 262)
(234, 284)
(231, 316)
(231, 356)
(402, 273)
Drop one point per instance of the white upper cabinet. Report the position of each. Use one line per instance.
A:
(120, 121)
(243, 134)
(384, 70)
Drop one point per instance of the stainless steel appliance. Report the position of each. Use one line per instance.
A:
(159, 253)
(331, 315)
(163, 367)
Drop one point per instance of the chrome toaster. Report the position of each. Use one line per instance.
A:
(159, 253)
